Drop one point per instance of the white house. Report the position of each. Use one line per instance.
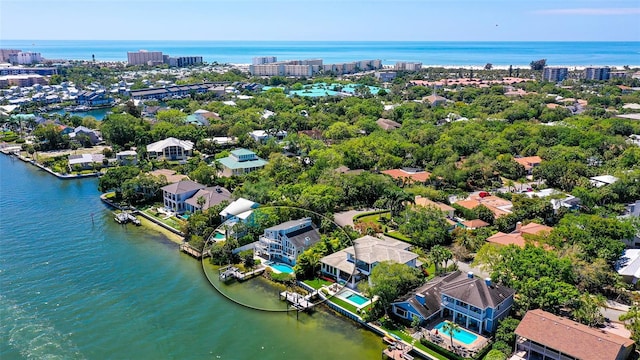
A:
(170, 149)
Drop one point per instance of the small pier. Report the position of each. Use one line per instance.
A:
(228, 273)
(187, 249)
(126, 217)
(298, 301)
(397, 350)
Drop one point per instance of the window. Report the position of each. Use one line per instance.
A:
(401, 312)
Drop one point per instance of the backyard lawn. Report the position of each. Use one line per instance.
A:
(317, 283)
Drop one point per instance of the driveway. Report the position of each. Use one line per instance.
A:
(346, 217)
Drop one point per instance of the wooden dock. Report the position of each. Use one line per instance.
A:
(126, 217)
(298, 301)
(398, 350)
(186, 248)
(231, 272)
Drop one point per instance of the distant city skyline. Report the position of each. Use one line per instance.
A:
(321, 20)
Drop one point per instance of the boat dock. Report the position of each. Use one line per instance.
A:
(125, 217)
(231, 272)
(187, 249)
(298, 301)
(397, 350)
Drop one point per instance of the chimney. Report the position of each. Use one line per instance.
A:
(487, 281)
(470, 274)
(518, 226)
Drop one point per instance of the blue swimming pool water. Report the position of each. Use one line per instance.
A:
(354, 298)
(463, 335)
(360, 300)
(218, 236)
(282, 268)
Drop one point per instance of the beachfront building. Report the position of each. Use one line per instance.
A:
(170, 149)
(285, 242)
(475, 304)
(175, 195)
(345, 266)
(25, 58)
(240, 162)
(260, 60)
(596, 73)
(182, 61)
(408, 66)
(554, 74)
(206, 198)
(144, 57)
(542, 335)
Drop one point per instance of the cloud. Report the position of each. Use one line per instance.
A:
(590, 11)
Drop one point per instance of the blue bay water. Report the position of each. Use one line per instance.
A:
(432, 53)
(73, 288)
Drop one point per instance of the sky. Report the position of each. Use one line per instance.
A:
(317, 20)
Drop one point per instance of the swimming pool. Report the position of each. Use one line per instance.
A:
(463, 335)
(283, 268)
(353, 297)
(218, 236)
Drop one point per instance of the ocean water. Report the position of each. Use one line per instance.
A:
(76, 285)
(431, 53)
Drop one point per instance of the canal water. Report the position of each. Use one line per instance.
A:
(76, 285)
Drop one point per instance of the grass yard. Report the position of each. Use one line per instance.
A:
(336, 300)
(317, 283)
(172, 221)
(375, 218)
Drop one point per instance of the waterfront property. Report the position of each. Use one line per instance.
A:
(127, 157)
(285, 242)
(170, 149)
(542, 335)
(206, 198)
(239, 211)
(346, 266)
(475, 304)
(85, 161)
(175, 195)
(82, 134)
(240, 162)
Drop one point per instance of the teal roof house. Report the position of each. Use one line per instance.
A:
(240, 162)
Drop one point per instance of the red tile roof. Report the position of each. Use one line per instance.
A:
(572, 338)
(516, 238)
(529, 161)
(474, 224)
(399, 174)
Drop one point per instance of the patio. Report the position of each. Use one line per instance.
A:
(458, 347)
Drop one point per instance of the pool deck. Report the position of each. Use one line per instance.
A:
(443, 340)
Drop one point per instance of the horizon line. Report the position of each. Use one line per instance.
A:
(255, 40)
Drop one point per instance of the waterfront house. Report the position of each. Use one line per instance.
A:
(93, 98)
(285, 242)
(542, 335)
(240, 162)
(475, 304)
(209, 197)
(346, 266)
(85, 161)
(175, 195)
(170, 149)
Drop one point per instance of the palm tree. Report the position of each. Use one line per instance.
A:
(439, 254)
(201, 201)
(450, 328)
